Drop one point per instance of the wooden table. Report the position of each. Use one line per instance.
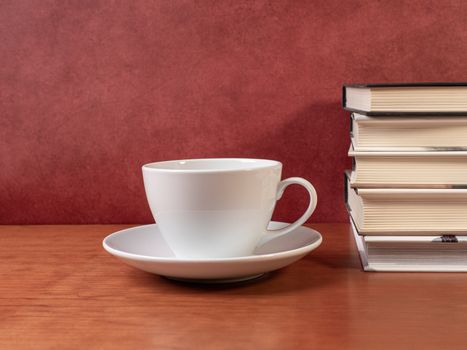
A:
(59, 290)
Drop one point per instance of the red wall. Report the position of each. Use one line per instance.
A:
(91, 90)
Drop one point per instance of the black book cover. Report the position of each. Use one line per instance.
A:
(346, 191)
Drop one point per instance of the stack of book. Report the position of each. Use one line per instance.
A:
(407, 191)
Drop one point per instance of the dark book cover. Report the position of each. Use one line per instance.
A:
(346, 189)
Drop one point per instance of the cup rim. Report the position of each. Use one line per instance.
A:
(159, 166)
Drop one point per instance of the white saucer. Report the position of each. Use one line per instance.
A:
(143, 247)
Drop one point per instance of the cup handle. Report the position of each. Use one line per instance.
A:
(311, 207)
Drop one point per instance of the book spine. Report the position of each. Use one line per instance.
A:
(344, 97)
(346, 190)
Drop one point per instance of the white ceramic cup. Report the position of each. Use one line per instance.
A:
(218, 208)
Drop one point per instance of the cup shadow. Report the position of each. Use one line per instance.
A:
(276, 282)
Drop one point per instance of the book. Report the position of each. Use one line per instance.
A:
(408, 133)
(406, 99)
(411, 253)
(402, 211)
(403, 169)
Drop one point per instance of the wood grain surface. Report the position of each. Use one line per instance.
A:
(60, 290)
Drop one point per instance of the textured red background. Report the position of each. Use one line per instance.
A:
(91, 90)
